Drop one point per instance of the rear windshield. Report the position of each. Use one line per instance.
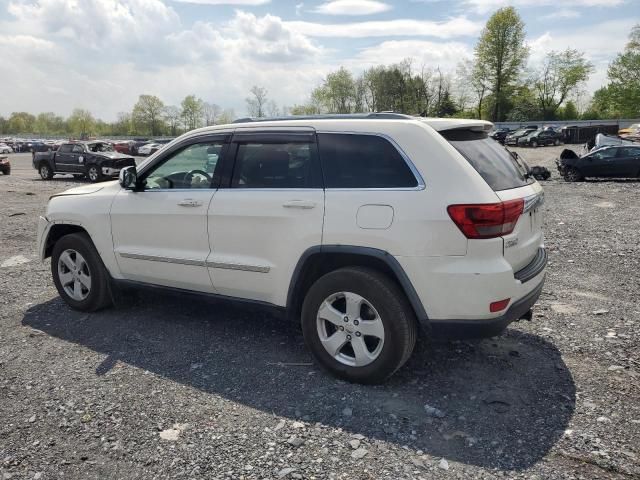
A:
(492, 161)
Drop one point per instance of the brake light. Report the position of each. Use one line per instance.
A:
(487, 220)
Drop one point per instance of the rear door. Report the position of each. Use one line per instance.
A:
(507, 176)
(627, 162)
(268, 213)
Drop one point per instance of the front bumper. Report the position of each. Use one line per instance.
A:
(111, 171)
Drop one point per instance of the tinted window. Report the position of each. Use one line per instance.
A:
(65, 148)
(629, 152)
(192, 167)
(77, 149)
(273, 165)
(491, 160)
(605, 153)
(362, 161)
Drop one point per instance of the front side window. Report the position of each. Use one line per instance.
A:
(77, 149)
(65, 148)
(273, 165)
(605, 153)
(192, 167)
(363, 161)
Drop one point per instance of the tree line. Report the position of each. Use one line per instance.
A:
(149, 117)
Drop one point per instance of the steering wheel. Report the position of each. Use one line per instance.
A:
(189, 175)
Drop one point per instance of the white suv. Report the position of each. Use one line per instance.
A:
(361, 227)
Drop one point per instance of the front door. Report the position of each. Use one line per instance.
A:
(160, 233)
(599, 163)
(64, 158)
(269, 212)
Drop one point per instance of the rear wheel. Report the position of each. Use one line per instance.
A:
(573, 175)
(556, 142)
(534, 144)
(79, 274)
(358, 324)
(93, 173)
(45, 171)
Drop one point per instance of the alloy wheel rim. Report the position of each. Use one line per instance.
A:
(44, 171)
(74, 274)
(350, 329)
(93, 173)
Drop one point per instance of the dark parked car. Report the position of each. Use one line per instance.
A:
(500, 134)
(95, 160)
(613, 161)
(512, 138)
(540, 137)
(5, 165)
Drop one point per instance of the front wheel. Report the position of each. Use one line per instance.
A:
(573, 175)
(556, 142)
(79, 274)
(358, 325)
(45, 171)
(93, 173)
(534, 144)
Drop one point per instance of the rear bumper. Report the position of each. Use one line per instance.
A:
(485, 328)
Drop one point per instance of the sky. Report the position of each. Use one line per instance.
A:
(57, 55)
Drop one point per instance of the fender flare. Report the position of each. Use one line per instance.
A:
(382, 255)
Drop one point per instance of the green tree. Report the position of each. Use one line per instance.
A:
(147, 113)
(560, 75)
(257, 102)
(570, 111)
(81, 122)
(48, 123)
(624, 78)
(172, 115)
(226, 116)
(192, 111)
(500, 56)
(21, 122)
(338, 92)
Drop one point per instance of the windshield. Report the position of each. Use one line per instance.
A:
(501, 169)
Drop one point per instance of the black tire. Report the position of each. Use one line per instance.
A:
(398, 320)
(94, 173)
(79, 176)
(573, 175)
(534, 144)
(44, 169)
(99, 296)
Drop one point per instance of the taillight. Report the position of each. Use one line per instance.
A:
(487, 220)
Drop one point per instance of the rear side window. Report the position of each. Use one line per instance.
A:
(273, 165)
(362, 161)
(491, 160)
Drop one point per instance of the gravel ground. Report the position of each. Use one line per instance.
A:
(183, 387)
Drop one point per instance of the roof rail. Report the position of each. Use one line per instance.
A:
(330, 116)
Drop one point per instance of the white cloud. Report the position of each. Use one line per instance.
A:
(352, 7)
(446, 55)
(226, 2)
(454, 27)
(561, 14)
(486, 6)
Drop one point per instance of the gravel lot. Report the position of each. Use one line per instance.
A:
(183, 387)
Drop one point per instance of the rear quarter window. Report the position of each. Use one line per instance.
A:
(363, 161)
(491, 160)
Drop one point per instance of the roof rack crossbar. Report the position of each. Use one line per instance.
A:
(331, 116)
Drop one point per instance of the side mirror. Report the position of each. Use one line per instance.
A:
(128, 178)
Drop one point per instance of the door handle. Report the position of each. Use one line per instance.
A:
(189, 202)
(304, 204)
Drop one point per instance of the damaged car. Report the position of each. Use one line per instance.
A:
(95, 160)
(621, 161)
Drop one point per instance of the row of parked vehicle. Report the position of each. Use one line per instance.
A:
(138, 146)
(529, 136)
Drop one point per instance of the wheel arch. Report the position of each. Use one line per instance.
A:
(56, 232)
(319, 260)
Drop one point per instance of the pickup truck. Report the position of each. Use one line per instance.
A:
(93, 160)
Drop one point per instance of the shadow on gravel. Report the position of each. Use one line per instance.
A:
(506, 400)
